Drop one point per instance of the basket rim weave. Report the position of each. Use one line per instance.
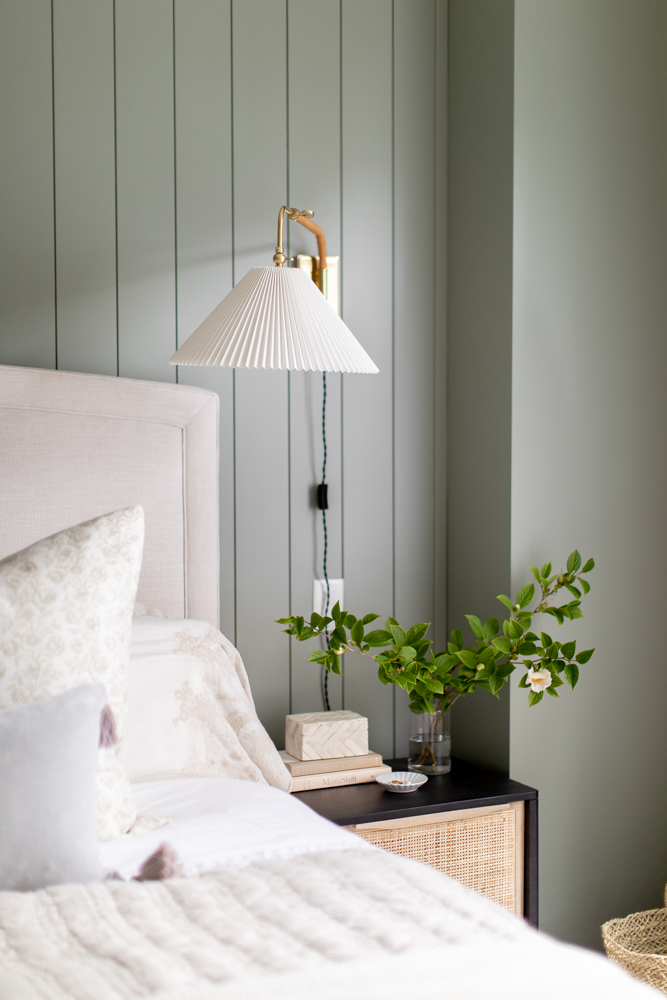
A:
(618, 922)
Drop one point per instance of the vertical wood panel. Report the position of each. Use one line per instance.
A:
(260, 158)
(414, 84)
(204, 225)
(27, 306)
(145, 156)
(220, 119)
(440, 320)
(85, 185)
(367, 309)
(314, 182)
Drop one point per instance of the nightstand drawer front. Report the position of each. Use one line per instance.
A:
(482, 848)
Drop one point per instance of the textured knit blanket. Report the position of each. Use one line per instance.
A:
(344, 925)
(124, 940)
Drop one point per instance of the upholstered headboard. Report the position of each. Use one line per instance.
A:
(75, 446)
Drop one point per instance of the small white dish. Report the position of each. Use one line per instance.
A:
(401, 781)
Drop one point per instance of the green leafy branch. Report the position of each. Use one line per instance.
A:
(434, 681)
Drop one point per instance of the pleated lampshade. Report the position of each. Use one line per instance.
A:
(275, 317)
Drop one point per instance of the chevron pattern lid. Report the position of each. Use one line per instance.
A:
(275, 317)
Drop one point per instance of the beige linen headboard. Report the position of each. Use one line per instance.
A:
(75, 446)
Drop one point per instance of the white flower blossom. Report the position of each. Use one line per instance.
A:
(539, 680)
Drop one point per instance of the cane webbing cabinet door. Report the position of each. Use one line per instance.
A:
(474, 825)
(482, 848)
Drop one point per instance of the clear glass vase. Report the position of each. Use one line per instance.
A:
(430, 749)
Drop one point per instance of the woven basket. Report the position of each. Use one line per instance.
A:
(639, 944)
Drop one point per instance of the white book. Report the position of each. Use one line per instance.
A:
(298, 767)
(335, 779)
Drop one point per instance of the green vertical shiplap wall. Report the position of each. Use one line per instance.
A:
(147, 148)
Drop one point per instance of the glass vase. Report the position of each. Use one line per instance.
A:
(430, 748)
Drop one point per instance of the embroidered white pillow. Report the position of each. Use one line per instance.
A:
(191, 712)
(65, 614)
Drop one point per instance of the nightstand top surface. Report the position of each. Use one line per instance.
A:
(465, 787)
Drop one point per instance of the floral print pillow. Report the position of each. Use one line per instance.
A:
(65, 615)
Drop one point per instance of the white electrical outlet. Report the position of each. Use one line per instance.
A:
(320, 595)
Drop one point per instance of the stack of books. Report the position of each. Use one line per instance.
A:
(334, 771)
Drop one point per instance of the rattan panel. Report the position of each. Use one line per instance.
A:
(480, 851)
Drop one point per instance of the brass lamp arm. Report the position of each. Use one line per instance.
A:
(321, 242)
(295, 215)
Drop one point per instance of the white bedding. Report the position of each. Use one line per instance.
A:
(223, 823)
(334, 925)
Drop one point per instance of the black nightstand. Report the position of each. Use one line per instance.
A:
(473, 824)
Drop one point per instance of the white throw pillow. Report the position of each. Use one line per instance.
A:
(191, 712)
(48, 751)
(65, 614)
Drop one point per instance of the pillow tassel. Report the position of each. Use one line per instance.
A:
(108, 734)
(162, 864)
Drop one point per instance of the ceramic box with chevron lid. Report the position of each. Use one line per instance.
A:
(321, 735)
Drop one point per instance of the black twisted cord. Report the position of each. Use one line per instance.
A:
(324, 678)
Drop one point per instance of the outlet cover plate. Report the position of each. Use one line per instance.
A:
(320, 594)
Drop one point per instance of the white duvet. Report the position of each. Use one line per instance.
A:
(222, 823)
(283, 905)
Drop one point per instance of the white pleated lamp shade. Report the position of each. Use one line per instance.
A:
(275, 317)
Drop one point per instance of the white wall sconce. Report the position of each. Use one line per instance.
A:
(275, 317)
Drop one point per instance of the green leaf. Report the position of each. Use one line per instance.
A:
(432, 683)
(546, 640)
(284, 621)
(550, 691)
(475, 625)
(340, 634)
(588, 567)
(557, 614)
(400, 638)
(318, 656)
(336, 612)
(525, 595)
(573, 590)
(573, 562)
(553, 650)
(536, 573)
(417, 632)
(490, 626)
(505, 669)
(568, 648)
(456, 639)
(535, 697)
(486, 656)
(574, 611)
(388, 622)
(358, 633)
(349, 620)
(556, 682)
(585, 655)
(407, 654)
(515, 629)
(467, 658)
(527, 648)
(367, 619)
(307, 633)
(523, 682)
(495, 683)
(379, 638)
(585, 585)
(546, 570)
(506, 601)
(571, 672)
